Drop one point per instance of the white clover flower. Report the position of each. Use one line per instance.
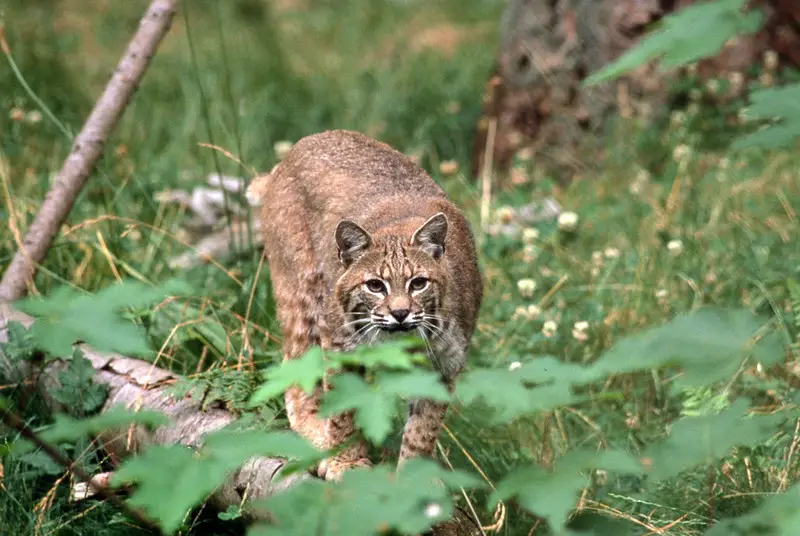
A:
(597, 257)
(505, 214)
(529, 235)
(681, 153)
(677, 118)
(662, 295)
(581, 325)
(568, 221)
(529, 253)
(770, 60)
(712, 86)
(675, 247)
(526, 287)
(549, 328)
(33, 117)
(533, 311)
(514, 366)
(282, 148)
(16, 114)
(611, 253)
(579, 336)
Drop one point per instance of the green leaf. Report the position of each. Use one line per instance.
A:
(688, 35)
(709, 344)
(172, 479)
(697, 440)
(367, 501)
(69, 430)
(393, 354)
(19, 344)
(304, 372)
(778, 516)
(76, 389)
(768, 104)
(542, 384)
(552, 495)
(67, 316)
(376, 404)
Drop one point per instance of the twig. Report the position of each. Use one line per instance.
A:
(11, 420)
(86, 149)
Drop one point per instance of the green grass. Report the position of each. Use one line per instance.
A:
(244, 75)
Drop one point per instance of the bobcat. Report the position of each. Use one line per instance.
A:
(362, 243)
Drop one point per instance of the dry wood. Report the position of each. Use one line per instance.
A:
(86, 149)
(137, 384)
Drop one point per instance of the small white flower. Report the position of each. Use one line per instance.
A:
(529, 253)
(549, 328)
(581, 325)
(33, 117)
(662, 295)
(597, 257)
(16, 114)
(282, 148)
(675, 247)
(579, 336)
(529, 235)
(677, 118)
(515, 365)
(611, 253)
(505, 214)
(433, 511)
(568, 221)
(533, 311)
(681, 153)
(712, 86)
(770, 60)
(448, 167)
(526, 287)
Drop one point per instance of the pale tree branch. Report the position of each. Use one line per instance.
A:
(86, 149)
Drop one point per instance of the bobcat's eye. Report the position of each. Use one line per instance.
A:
(376, 286)
(418, 284)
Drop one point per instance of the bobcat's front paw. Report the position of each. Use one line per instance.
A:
(332, 469)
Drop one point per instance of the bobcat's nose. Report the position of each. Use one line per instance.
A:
(400, 314)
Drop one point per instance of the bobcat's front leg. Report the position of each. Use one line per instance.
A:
(425, 419)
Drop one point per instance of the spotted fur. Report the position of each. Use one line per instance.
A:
(362, 244)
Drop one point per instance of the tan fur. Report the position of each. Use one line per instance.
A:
(348, 223)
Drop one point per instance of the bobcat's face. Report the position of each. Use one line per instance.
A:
(392, 284)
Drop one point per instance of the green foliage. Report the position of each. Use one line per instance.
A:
(375, 403)
(161, 470)
(778, 516)
(69, 430)
(67, 316)
(368, 501)
(688, 35)
(76, 389)
(779, 107)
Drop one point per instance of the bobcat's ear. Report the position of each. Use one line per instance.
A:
(430, 237)
(352, 240)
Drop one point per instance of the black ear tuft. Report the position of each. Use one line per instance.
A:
(352, 240)
(430, 237)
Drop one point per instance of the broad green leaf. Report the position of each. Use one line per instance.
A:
(709, 344)
(367, 501)
(768, 104)
(778, 516)
(511, 393)
(68, 430)
(67, 316)
(552, 495)
(172, 479)
(19, 344)
(376, 403)
(688, 35)
(696, 440)
(393, 354)
(304, 372)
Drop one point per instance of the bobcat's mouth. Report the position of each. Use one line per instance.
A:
(392, 328)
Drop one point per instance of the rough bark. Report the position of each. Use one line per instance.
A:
(548, 48)
(133, 383)
(86, 149)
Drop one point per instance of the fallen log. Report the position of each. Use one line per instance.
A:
(134, 383)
